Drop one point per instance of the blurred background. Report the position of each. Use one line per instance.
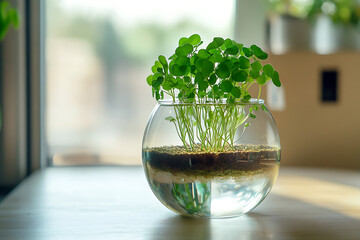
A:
(97, 55)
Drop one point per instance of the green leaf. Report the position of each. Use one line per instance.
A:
(204, 66)
(190, 95)
(236, 92)
(194, 39)
(149, 79)
(247, 52)
(201, 94)
(156, 76)
(173, 80)
(275, 79)
(244, 63)
(192, 69)
(226, 86)
(198, 77)
(156, 83)
(202, 85)
(211, 46)
(223, 70)
(232, 50)
(183, 40)
(177, 70)
(158, 64)
(214, 51)
(163, 61)
(207, 67)
(239, 76)
(268, 70)
(240, 46)
(262, 79)
(154, 69)
(216, 88)
(254, 74)
(182, 61)
(184, 50)
(212, 80)
(247, 96)
(187, 79)
(179, 84)
(228, 43)
(256, 66)
(193, 59)
(229, 62)
(198, 63)
(180, 95)
(258, 52)
(217, 57)
(166, 85)
(216, 43)
(252, 115)
(203, 54)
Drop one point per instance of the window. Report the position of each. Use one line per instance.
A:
(98, 55)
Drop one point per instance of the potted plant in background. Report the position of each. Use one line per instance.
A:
(324, 26)
(336, 25)
(289, 28)
(8, 17)
(211, 150)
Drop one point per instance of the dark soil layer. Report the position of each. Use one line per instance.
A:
(243, 158)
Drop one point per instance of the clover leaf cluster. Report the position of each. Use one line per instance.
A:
(224, 69)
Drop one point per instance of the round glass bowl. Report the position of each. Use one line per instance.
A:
(211, 159)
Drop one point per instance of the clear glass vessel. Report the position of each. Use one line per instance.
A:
(211, 159)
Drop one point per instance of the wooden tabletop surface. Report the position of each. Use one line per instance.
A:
(116, 203)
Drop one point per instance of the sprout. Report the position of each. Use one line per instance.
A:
(224, 69)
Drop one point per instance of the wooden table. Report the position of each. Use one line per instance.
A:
(116, 203)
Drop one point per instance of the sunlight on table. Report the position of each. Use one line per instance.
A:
(337, 197)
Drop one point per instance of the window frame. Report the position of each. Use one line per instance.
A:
(22, 95)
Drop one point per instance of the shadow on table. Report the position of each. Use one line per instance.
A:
(269, 223)
(243, 227)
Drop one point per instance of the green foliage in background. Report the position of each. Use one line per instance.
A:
(8, 16)
(222, 72)
(294, 8)
(340, 11)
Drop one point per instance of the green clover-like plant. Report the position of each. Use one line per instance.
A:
(222, 71)
(8, 16)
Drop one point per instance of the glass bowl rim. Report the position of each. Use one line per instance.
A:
(170, 102)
